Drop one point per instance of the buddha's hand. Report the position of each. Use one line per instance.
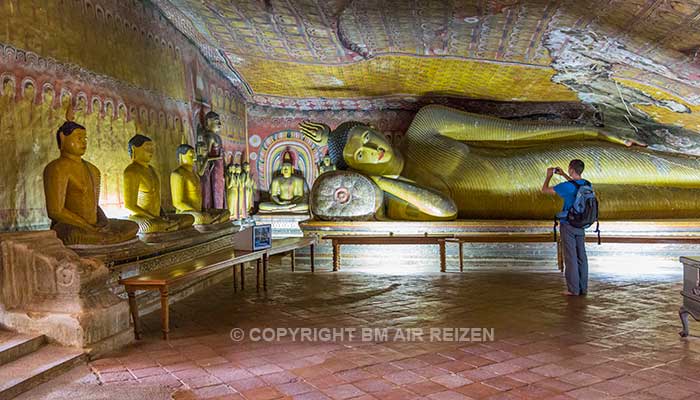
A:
(629, 142)
(316, 131)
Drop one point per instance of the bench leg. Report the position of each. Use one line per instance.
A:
(165, 312)
(257, 275)
(133, 308)
(313, 267)
(336, 256)
(683, 314)
(461, 257)
(235, 279)
(294, 259)
(264, 270)
(242, 266)
(443, 266)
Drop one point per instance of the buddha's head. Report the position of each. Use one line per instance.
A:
(72, 139)
(368, 151)
(47, 95)
(185, 154)
(65, 98)
(237, 168)
(29, 92)
(286, 170)
(8, 87)
(121, 111)
(212, 122)
(141, 149)
(109, 110)
(246, 167)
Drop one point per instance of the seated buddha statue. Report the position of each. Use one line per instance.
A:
(326, 165)
(454, 163)
(72, 190)
(187, 190)
(142, 191)
(287, 193)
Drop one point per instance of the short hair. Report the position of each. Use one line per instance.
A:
(183, 149)
(66, 129)
(137, 141)
(577, 165)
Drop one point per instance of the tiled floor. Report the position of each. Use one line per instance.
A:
(621, 341)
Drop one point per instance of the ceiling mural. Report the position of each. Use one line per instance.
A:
(639, 58)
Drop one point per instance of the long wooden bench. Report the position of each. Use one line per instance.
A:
(548, 237)
(339, 240)
(291, 245)
(162, 280)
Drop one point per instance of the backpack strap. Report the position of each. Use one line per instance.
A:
(554, 229)
(597, 230)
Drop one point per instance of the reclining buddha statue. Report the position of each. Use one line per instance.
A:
(458, 164)
(142, 191)
(186, 190)
(72, 190)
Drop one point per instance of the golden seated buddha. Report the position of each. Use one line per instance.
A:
(287, 193)
(186, 190)
(493, 168)
(72, 190)
(142, 191)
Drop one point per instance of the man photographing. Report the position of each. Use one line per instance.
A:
(572, 238)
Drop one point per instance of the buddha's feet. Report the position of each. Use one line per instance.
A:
(170, 223)
(116, 231)
(208, 217)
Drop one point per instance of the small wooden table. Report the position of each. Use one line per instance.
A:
(290, 245)
(161, 280)
(339, 240)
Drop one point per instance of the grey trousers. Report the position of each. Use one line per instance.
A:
(575, 259)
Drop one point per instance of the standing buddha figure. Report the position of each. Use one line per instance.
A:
(249, 188)
(233, 190)
(210, 163)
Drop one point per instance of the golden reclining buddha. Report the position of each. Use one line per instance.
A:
(458, 164)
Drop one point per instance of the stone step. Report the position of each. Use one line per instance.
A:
(14, 346)
(36, 368)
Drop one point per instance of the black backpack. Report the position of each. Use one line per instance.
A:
(583, 212)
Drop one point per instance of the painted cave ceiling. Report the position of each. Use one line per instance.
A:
(638, 60)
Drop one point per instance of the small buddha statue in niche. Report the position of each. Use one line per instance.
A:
(187, 190)
(72, 190)
(287, 192)
(142, 191)
(249, 188)
(233, 190)
(326, 165)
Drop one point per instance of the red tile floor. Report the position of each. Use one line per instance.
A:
(619, 342)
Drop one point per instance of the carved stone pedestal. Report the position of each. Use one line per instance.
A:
(47, 288)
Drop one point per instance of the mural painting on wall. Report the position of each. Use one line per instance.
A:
(136, 86)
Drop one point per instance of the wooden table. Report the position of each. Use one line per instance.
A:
(339, 240)
(291, 245)
(505, 237)
(161, 280)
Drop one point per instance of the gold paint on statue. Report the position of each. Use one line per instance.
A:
(233, 190)
(187, 190)
(287, 193)
(142, 191)
(72, 188)
(492, 168)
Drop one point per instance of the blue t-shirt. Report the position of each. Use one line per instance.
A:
(567, 191)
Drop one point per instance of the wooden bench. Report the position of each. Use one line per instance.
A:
(339, 240)
(162, 280)
(548, 237)
(291, 245)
